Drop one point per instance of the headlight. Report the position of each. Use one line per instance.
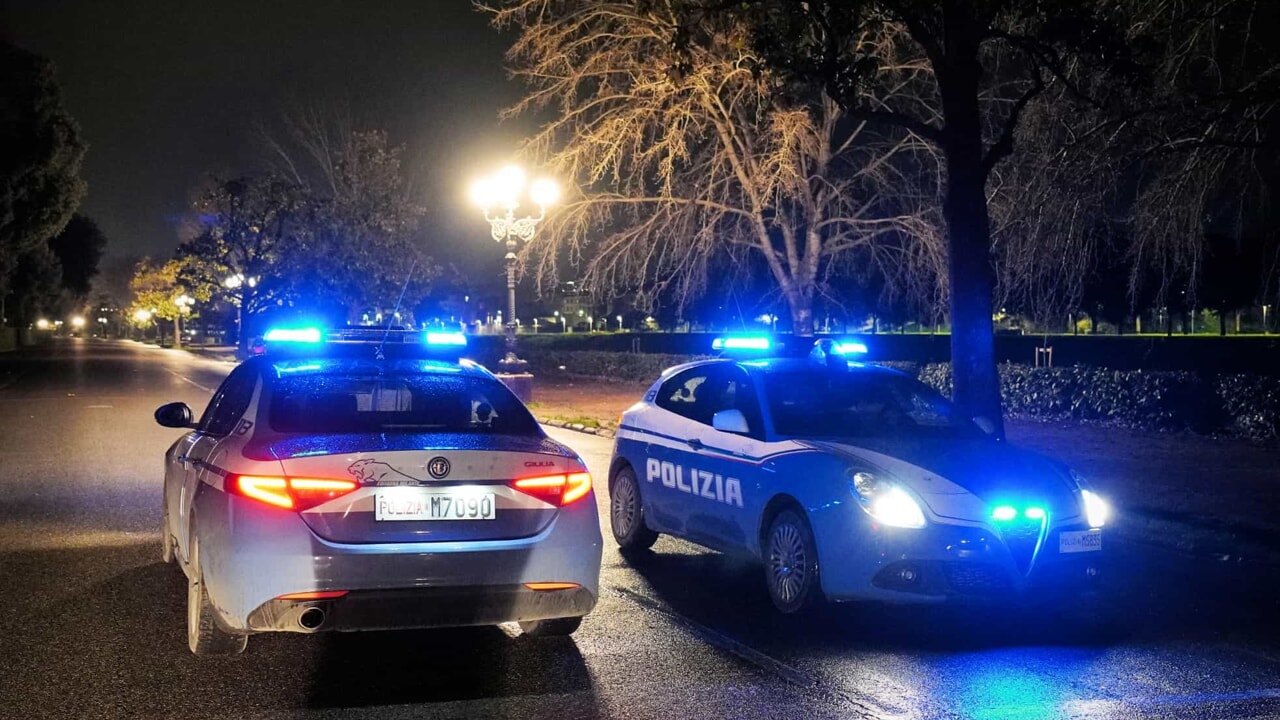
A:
(1095, 509)
(886, 502)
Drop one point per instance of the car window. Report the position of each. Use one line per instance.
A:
(395, 402)
(821, 403)
(230, 401)
(699, 393)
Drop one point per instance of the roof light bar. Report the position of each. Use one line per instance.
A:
(742, 343)
(294, 335)
(446, 339)
(850, 348)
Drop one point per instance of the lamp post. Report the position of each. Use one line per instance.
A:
(502, 191)
(184, 303)
(235, 283)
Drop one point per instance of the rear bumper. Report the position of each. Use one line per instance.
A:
(251, 554)
(421, 608)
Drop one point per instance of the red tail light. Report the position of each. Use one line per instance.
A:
(291, 493)
(555, 489)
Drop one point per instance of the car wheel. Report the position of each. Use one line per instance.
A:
(791, 563)
(554, 627)
(626, 515)
(166, 540)
(204, 637)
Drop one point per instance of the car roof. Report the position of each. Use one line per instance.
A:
(299, 365)
(771, 365)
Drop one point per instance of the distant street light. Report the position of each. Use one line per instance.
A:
(1265, 308)
(619, 319)
(503, 190)
(42, 324)
(184, 303)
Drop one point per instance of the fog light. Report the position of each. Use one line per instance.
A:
(907, 574)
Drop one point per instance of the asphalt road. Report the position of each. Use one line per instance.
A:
(92, 624)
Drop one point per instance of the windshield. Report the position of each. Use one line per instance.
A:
(411, 403)
(820, 403)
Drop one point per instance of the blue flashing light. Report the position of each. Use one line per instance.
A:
(305, 367)
(294, 335)
(851, 348)
(1034, 513)
(1004, 513)
(742, 343)
(446, 339)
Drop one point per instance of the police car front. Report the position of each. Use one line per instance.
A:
(847, 481)
(377, 482)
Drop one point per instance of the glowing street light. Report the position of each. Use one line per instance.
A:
(42, 324)
(503, 191)
(184, 303)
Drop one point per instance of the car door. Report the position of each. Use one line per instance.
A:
(220, 419)
(724, 466)
(669, 450)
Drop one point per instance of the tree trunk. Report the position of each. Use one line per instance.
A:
(801, 317)
(976, 385)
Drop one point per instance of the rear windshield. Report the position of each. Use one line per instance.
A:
(409, 403)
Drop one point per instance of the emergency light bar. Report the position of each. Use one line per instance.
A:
(309, 335)
(353, 340)
(739, 342)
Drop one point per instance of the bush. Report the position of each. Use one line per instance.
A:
(1252, 404)
(608, 365)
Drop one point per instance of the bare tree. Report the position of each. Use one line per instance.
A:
(678, 155)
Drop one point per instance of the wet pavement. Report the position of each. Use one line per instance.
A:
(93, 625)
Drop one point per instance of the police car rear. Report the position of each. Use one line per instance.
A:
(372, 485)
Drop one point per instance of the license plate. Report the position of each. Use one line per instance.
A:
(413, 504)
(1080, 541)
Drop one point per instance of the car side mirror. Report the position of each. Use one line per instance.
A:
(730, 421)
(985, 424)
(175, 415)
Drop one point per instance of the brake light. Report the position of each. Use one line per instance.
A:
(555, 489)
(290, 493)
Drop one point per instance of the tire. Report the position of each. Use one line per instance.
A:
(166, 540)
(554, 627)
(204, 637)
(791, 564)
(626, 513)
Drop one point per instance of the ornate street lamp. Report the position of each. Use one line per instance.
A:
(502, 192)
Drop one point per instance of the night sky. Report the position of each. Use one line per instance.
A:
(168, 92)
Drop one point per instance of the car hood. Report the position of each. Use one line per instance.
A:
(963, 479)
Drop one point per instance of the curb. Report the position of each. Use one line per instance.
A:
(578, 427)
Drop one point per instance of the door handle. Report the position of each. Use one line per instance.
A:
(694, 443)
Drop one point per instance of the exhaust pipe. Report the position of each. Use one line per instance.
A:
(311, 619)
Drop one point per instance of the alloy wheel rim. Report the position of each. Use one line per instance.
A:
(624, 507)
(787, 563)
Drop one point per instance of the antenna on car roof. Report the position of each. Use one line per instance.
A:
(377, 354)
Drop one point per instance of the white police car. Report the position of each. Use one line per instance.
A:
(848, 481)
(373, 483)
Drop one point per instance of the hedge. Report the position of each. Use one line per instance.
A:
(1243, 405)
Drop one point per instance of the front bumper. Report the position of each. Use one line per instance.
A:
(945, 562)
(251, 554)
